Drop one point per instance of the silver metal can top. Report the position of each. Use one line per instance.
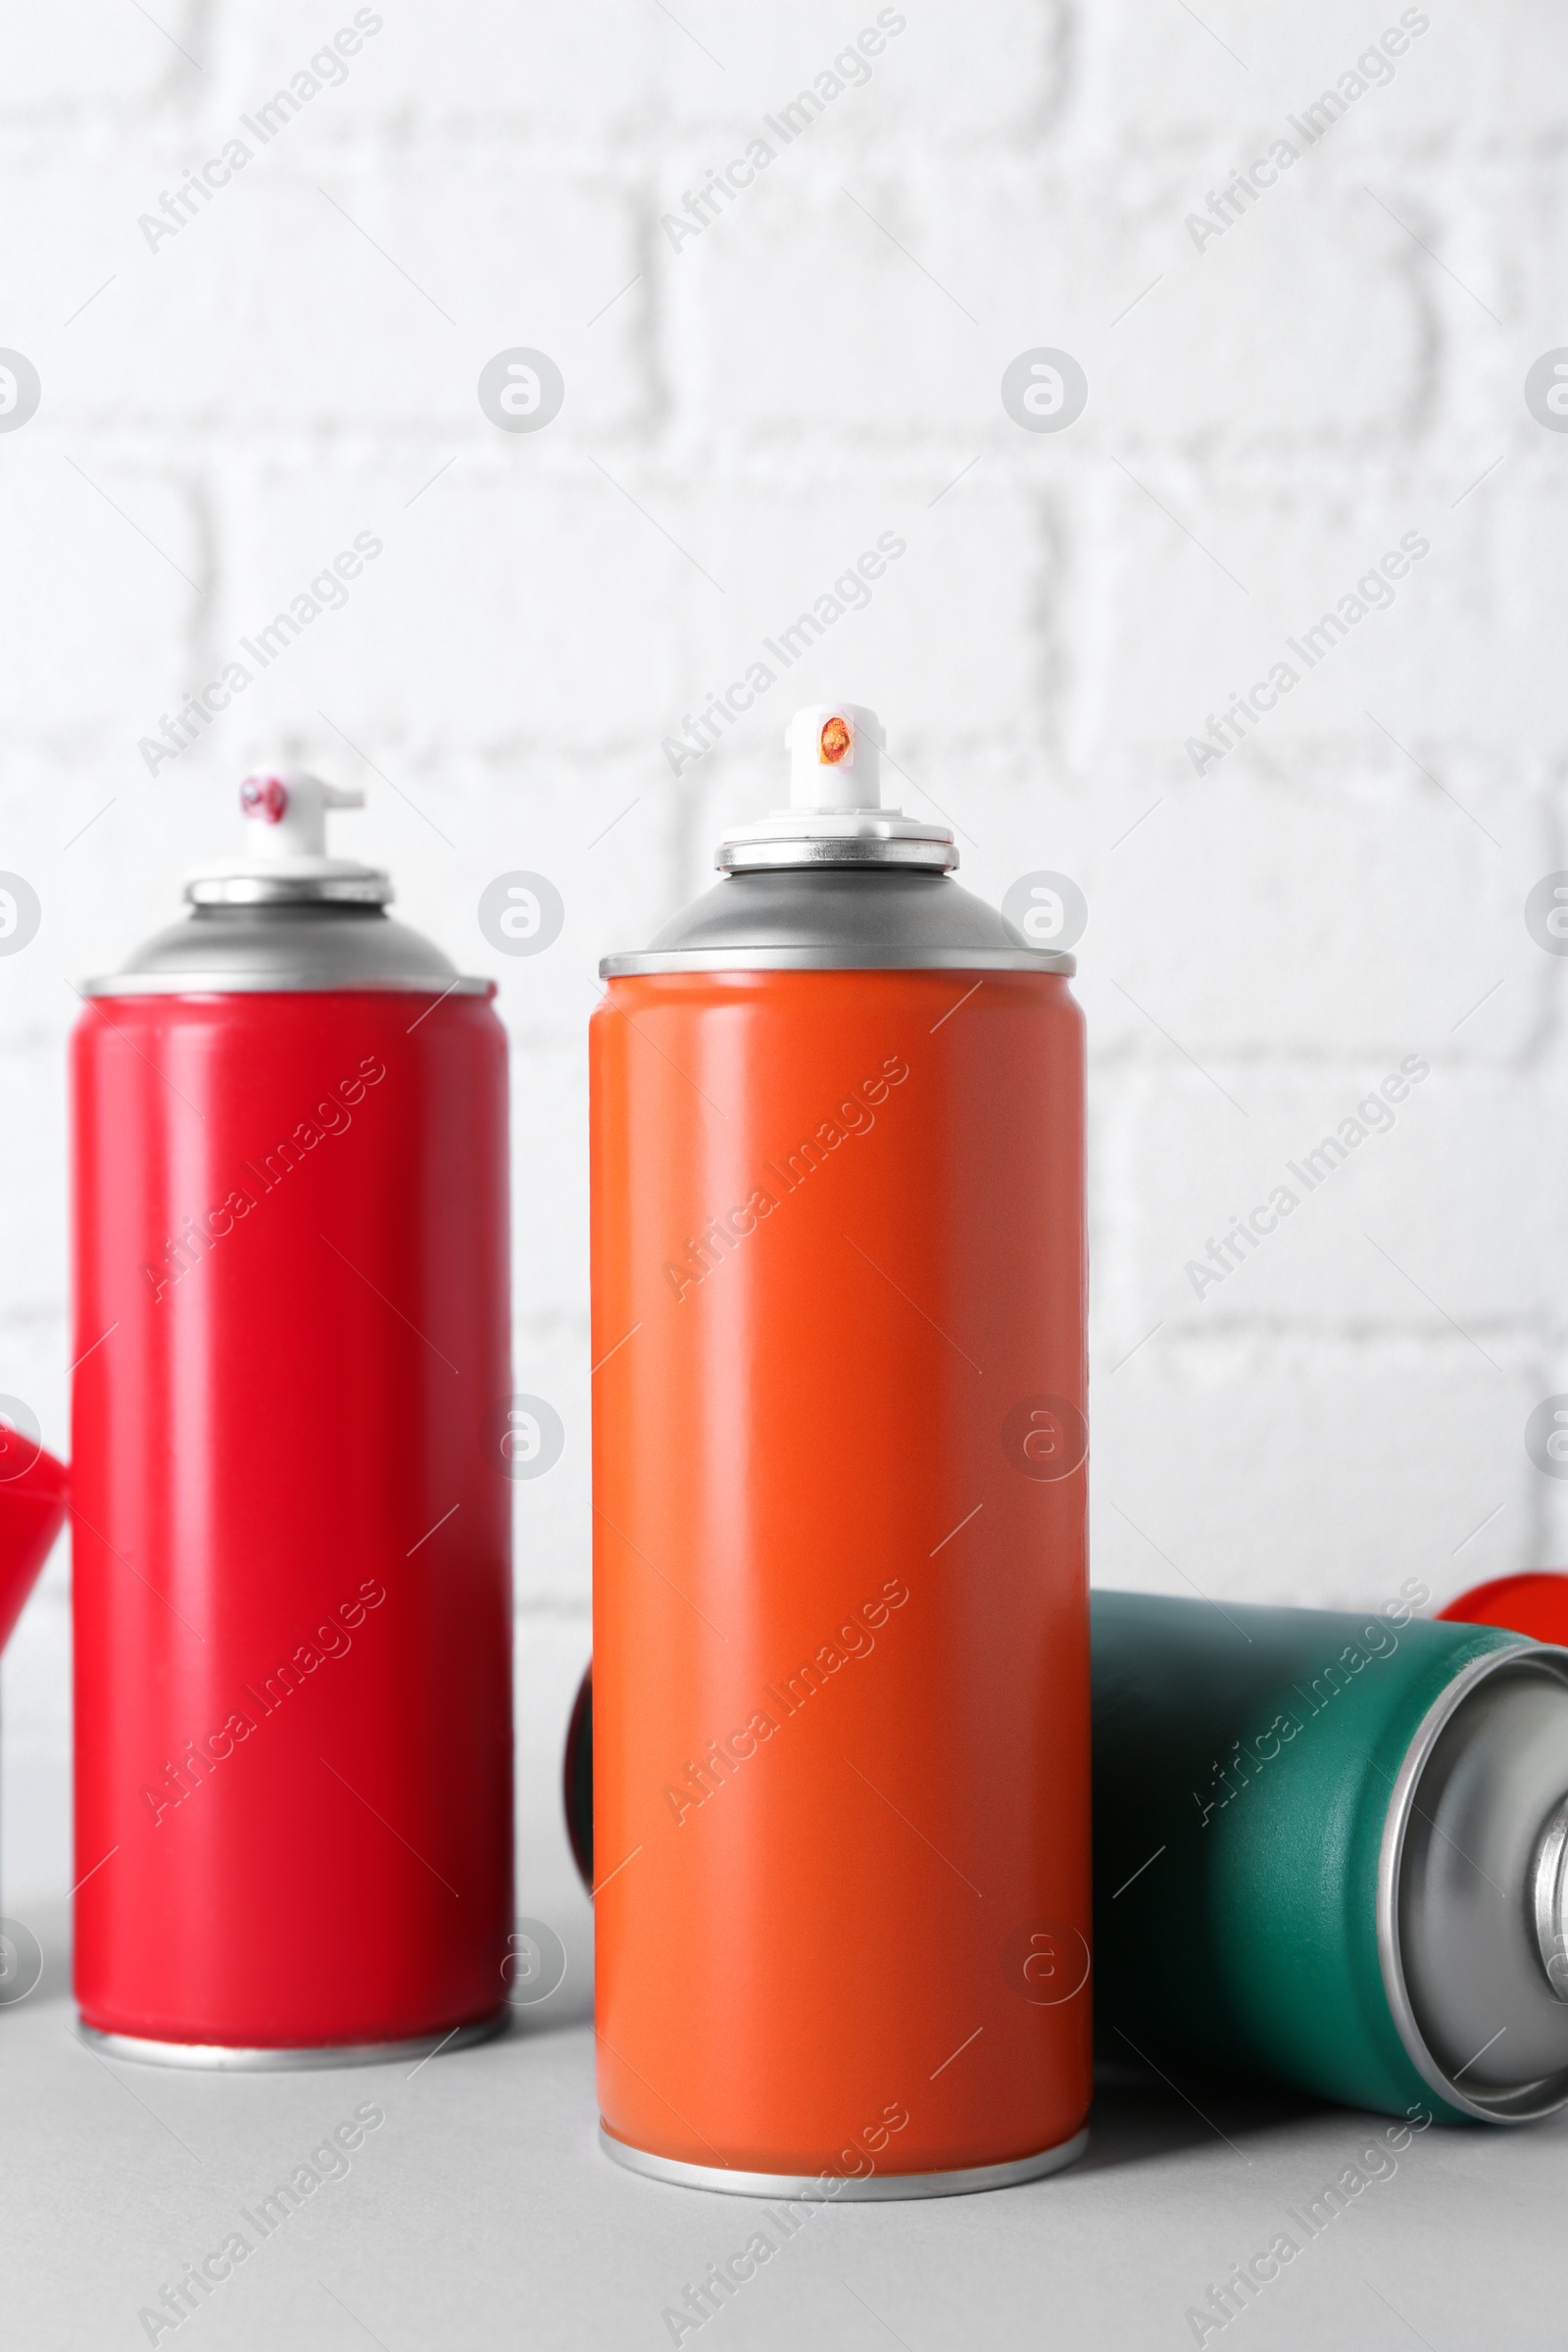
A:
(835, 816)
(1472, 1928)
(835, 882)
(287, 917)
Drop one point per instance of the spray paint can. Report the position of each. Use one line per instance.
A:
(1533, 1601)
(292, 1567)
(34, 1492)
(34, 1497)
(1333, 1850)
(577, 1779)
(840, 1611)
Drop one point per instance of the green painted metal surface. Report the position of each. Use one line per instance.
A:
(1245, 1760)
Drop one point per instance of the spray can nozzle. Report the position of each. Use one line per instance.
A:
(285, 859)
(835, 756)
(293, 811)
(834, 814)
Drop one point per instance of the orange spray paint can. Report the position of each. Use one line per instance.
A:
(841, 1636)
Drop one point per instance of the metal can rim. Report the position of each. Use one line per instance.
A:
(837, 959)
(1532, 2101)
(809, 852)
(369, 887)
(845, 2188)
(289, 2057)
(281, 984)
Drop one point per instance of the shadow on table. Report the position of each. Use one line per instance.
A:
(1139, 2115)
(571, 2004)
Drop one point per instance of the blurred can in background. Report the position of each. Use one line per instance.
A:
(1332, 1850)
(1533, 1601)
(841, 1747)
(292, 1551)
(34, 1495)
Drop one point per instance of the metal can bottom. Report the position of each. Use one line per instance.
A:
(842, 2189)
(217, 2057)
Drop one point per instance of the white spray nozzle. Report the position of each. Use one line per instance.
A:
(290, 812)
(835, 756)
(835, 815)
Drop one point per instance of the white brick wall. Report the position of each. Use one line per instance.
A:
(1271, 416)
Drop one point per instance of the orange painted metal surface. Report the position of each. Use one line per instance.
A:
(841, 1640)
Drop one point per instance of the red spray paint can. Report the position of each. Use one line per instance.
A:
(292, 1548)
(841, 1634)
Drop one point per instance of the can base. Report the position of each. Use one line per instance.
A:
(219, 2057)
(872, 2188)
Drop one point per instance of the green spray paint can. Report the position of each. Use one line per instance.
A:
(1333, 1850)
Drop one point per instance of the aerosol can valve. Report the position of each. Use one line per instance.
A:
(835, 756)
(291, 808)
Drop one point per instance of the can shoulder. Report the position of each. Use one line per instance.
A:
(249, 949)
(846, 919)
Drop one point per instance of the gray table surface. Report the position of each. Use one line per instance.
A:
(481, 2211)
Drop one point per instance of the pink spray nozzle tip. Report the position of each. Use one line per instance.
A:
(265, 796)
